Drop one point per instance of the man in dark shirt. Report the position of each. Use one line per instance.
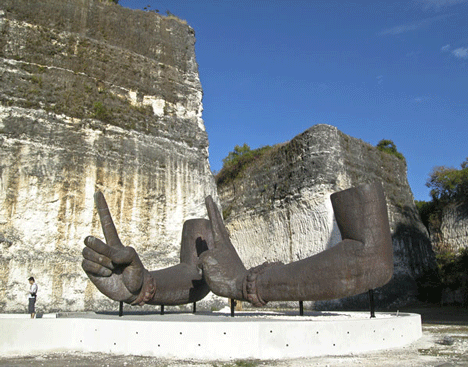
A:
(32, 297)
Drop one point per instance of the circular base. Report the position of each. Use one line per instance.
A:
(213, 336)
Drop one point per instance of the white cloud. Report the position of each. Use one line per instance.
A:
(461, 52)
(438, 4)
(401, 29)
(420, 99)
(445, 48)
(412, 26)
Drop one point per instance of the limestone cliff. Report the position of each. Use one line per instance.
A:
(452, 233)
(280, 209)
(94, 96)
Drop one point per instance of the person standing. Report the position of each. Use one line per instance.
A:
(32, 297)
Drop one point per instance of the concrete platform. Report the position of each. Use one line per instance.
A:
(210, 336)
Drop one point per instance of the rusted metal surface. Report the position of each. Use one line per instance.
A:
(362, 261)
(117, 271)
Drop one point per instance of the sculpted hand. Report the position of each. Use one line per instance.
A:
(116, 270)
(222, 268)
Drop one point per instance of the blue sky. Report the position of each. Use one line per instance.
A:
(376, 70)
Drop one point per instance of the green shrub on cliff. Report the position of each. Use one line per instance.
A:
(100, 112)
(237, 161)
(451, 275)
(449, 184)
(389, 147)
(453, 267)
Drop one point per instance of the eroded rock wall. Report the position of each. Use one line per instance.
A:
(94, 96)
(453, 231)
(280, 209)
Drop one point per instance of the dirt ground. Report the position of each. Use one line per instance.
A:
(444, 343)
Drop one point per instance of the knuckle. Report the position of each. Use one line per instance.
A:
(85, 265)
(86, 252)
(131, 250)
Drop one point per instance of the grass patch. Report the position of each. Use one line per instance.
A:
(237, 161)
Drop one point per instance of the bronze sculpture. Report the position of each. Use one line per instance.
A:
(118, 273)
(362, 261)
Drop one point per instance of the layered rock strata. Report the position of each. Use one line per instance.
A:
(453, 232)
(279, 208)
(94, 96)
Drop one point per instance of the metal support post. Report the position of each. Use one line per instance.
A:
(371, 303)
(233, 306)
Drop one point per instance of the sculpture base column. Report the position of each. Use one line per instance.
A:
(213, 336)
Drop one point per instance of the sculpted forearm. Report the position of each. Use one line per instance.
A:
(363, 260)
(176, 285)
(341, 271)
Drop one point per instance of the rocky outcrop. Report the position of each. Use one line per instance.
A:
(448, 228)
(94, 96)
(453, 232)
(279, 208)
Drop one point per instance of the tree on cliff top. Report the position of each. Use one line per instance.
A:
(449, 184)
(237, 160)
(389, 147)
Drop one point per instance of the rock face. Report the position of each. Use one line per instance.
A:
(453, 231)
(280, 209)
(449, 233)
(94, 96)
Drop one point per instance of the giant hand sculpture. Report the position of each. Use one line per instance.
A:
(362, 261)
(118, 273)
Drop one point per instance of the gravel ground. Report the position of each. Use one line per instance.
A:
(444, 343)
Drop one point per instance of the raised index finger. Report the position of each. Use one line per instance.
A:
(107, 224)
(220, 232)
(227, 253)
